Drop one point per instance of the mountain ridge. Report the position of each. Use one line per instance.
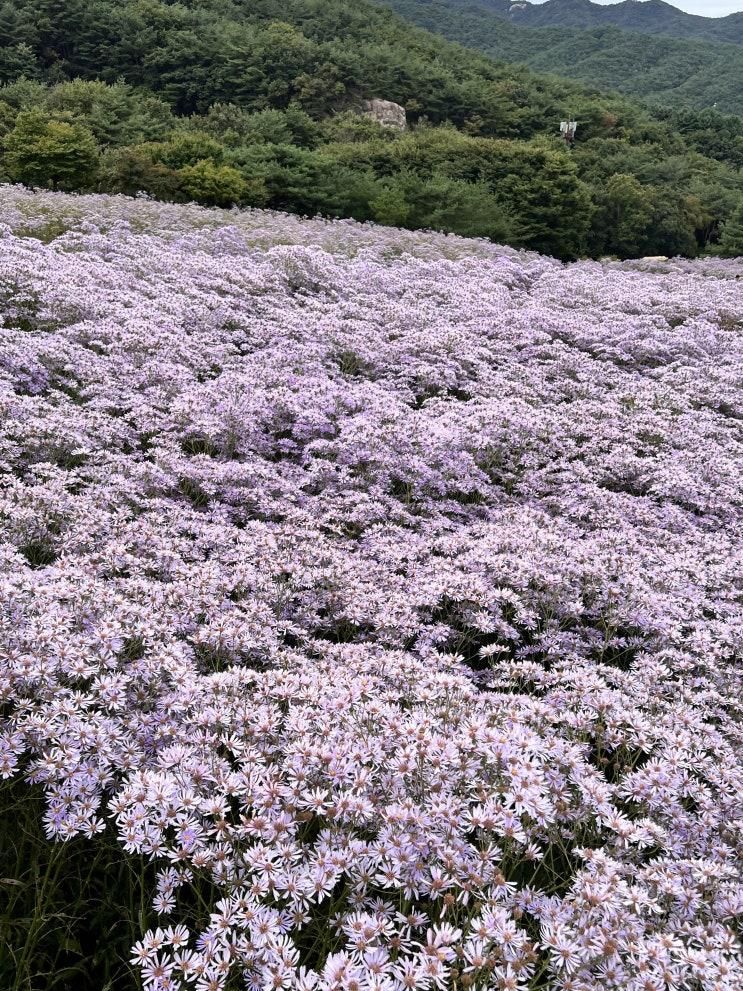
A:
(661, 69)
(642, 16)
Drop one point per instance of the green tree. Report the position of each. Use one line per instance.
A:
(217, 185)
(350, 128)
(731, 241)
(17, 25)
(17, 61)
(25, 94)
(115, 114)
(675, 222)
(390, 207)
(437, 202)
(625, 211)
(188, 148)
(132, 170)
(466, 208)
(536, 185)
(42, 151)
(7, 118)
(234, 125)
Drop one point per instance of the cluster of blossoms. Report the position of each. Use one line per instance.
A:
(392, 586)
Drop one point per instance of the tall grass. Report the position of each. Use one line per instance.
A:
(69, 912)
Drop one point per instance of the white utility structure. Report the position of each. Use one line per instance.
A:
(568, 129)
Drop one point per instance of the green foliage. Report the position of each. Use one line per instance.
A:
(57, 899)
(626, 212)
(214, 185)
(731, 242)
(132, 170)
(235, 126)
(438, 202)
(350, 127)
(647, 18)
(24, 94)
(712, 134)
(42, 151)
(321, 57)
(115, 114)
(187, 148)
(390, 206)
(18, 60)
(535, 184)
(680, 71)
(7, 118)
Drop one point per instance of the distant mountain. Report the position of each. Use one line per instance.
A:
(671, 71)
(643, 16)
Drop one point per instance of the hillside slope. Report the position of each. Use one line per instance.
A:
(365, 587)
(670, 71)
(647, 17)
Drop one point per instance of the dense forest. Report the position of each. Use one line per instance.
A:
(661, 69)
(222, 102)
(647, 17)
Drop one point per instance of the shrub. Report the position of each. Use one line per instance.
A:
(215, 185)
(43, 151)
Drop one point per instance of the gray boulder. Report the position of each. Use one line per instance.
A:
(388, 114)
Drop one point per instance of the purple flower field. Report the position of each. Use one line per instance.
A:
(392, 582)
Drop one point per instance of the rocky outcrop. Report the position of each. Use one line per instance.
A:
(386, 113)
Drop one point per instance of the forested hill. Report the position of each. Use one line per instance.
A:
(664, 70)
(647, 17)
(221, 101)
